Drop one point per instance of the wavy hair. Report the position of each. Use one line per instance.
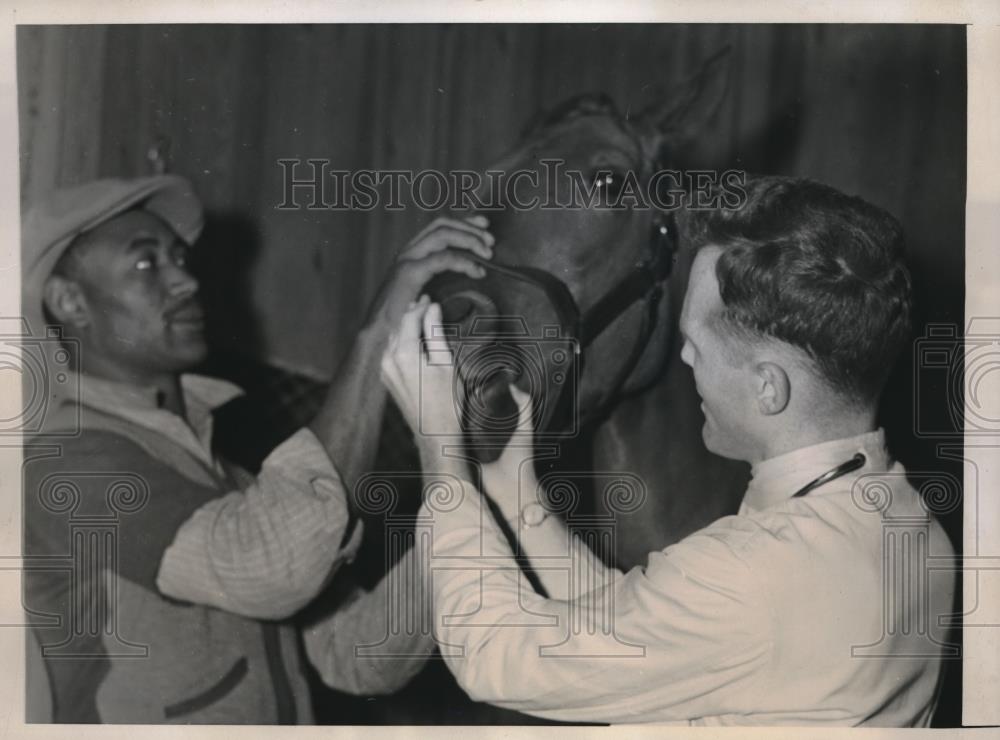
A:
(820, 270)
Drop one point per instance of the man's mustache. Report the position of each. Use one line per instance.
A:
(189, 308)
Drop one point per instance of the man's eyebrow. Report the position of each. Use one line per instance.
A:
(143, 240)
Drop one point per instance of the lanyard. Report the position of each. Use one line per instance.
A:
(844, 468)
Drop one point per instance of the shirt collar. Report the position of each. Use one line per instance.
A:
(776, 479)
(141, 405)
(211, 392)
(200, 393)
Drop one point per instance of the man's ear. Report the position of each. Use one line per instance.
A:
(773, 388)
(66, 302)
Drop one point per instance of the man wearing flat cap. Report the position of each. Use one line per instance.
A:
(177, 614)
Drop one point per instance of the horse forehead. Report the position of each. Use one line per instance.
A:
(588, 140)
(567, 238)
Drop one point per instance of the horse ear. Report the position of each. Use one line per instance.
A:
(689, 106)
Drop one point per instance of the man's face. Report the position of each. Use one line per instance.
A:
(144, 316)
(723, 380)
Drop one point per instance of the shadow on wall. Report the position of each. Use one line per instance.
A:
(224, 263)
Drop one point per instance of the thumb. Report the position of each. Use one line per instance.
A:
(525, 410)
(435, 334)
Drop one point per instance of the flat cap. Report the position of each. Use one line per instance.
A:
(54, 221)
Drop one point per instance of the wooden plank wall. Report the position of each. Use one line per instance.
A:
(875, 110)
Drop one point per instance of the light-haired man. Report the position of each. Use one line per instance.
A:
(807, 607)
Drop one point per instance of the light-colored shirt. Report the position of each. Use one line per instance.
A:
(818, 610)
(266, 549)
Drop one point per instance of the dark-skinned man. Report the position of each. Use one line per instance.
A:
(182, 619)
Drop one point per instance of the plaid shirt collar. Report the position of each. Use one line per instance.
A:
(142, 405)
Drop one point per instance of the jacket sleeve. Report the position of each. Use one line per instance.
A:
(375, 641)
(266, 551)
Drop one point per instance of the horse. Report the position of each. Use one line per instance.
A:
(578, 308)
(591, 279)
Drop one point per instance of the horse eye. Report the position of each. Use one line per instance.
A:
(609, 182)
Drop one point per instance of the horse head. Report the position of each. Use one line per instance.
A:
(571, 309)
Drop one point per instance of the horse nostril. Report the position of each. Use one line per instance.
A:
(504, 374)
(489, 407)
(481, 367)
(462, 307)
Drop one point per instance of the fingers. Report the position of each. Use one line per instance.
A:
(439, 354)
(411, 324)
(469, 233)
(477, 221)
(403, 340)
(420, 271)
(435, 340)
(525, 410)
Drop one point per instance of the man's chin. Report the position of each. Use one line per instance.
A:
(711, 441)
(712, 445)
(706, 437)
(188, 356)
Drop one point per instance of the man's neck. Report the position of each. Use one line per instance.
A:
(167, 385)
(807, 433)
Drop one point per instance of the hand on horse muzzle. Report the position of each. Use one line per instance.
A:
(494, 345)
(490, 413)
(445, 391)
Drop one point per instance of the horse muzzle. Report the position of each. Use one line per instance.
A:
(494, 345)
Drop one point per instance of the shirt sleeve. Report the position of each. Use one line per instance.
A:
(564, 564)
(560, 560)
(375, 642)
(266, 551)
(683, 638)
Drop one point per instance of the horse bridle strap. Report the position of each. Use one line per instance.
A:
(637, 284)
(555, 290)
(585, 327)
(641, 283)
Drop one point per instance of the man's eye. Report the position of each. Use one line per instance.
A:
(146, 263)
(181, 257)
